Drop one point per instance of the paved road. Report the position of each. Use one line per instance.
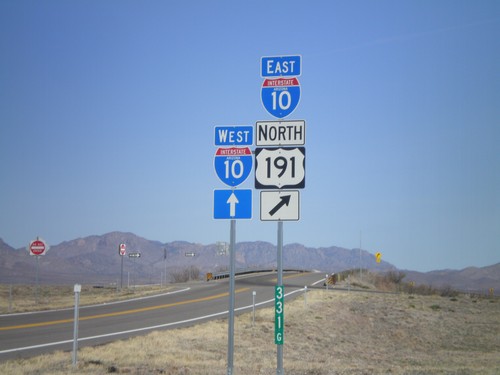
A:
(24, 335)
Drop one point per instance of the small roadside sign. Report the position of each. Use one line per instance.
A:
(279, 314)
(134, 255)
(122, 249)
(38, 247)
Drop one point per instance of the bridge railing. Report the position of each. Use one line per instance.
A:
(246, 271)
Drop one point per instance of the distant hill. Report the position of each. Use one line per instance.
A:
(95, 259)
(469, 279)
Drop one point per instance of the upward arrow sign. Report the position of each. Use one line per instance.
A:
(232, 201)
(233, 204)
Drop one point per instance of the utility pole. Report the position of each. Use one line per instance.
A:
(360, 263)
(165, 264)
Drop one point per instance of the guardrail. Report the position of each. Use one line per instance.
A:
(225, 275)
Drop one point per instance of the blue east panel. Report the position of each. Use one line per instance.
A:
(281, 66)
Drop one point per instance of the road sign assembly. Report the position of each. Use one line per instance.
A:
(233, 204)
(280, 167)
(233, 164)
(279, 205)
(233, 135)
(280, 133)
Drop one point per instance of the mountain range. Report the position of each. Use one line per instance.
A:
(96, 260)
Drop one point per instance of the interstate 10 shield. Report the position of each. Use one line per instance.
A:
(280, 96)
(233, 165)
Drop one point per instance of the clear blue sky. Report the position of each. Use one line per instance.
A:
(108, 108)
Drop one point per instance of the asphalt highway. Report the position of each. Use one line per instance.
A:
(29, 334)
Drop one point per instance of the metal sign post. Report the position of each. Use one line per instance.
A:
(232, 261)
(279, 362)
(254, 293)
(77, 289)
(121, 275)
(122, 249)
(37, 281)
(165, 264)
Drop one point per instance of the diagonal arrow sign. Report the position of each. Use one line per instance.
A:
(283, 200)
(232, 201)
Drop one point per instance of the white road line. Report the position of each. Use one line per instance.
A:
(99, 304)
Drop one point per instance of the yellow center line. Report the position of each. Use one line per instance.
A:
(124, 312)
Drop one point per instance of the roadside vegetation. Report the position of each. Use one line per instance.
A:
(24, 298)
(327, 332)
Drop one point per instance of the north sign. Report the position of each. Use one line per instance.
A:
(280, 96)
(233, 204)
(233, 164)
(280, 168)
(233, 135)
(280, 133)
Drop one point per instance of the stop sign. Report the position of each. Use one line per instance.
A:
(121, 249)
(37, 247)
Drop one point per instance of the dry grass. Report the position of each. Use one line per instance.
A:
(21, 298)
(336, 333)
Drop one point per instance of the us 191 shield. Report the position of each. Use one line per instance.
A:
(280, 168)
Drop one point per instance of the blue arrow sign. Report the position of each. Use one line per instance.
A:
(233, 164)
(234, 135)
(233, 204)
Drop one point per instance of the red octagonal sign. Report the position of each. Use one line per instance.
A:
(37, 247)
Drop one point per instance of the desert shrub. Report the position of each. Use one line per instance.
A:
(448, 291)
(395, 277)
(194, 273)
(424, 290)
(186, 274)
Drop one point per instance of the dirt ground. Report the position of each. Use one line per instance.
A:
(329, 332)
